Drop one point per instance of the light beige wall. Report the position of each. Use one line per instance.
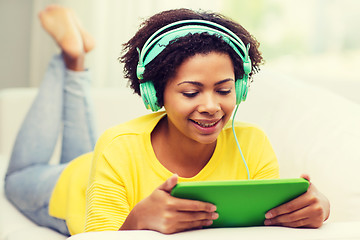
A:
(15, 25)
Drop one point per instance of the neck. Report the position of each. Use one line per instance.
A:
(178, 153)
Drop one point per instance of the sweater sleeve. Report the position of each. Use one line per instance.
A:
(107, 208)
(106, 200)
(267, 167)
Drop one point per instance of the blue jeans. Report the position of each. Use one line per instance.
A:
(61, 108)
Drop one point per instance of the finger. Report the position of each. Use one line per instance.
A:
(297, 216)
(196, 216)
(299, 223)
(305, 176)
(304, 222)
(187, 205)
(182, 226)
(289, 207)
(169, 184)
(176, 222)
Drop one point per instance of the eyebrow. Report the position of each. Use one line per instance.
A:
(200, 84)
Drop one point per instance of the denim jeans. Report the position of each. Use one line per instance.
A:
(63, 108)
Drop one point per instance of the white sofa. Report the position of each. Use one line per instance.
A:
(312, 131)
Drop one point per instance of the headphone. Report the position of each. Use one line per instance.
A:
(159, 40)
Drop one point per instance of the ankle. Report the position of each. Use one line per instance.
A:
(74, 63)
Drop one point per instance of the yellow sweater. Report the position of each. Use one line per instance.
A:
(124, 170)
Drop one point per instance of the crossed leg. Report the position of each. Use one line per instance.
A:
(61, 108)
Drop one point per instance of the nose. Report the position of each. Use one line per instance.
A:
(209, 104)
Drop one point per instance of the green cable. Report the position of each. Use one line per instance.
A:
(237, 142)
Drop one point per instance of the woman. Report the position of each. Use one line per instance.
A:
(196, 65)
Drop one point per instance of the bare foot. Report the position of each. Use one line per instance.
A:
(59, 23)
(88, 40)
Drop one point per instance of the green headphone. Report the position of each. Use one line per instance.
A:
(161, 38)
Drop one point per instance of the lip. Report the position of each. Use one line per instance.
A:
(202, 128)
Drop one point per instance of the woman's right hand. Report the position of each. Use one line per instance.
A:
(166, 214)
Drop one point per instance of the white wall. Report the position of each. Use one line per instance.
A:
(15, 27)
(27, 49)
(317, 43)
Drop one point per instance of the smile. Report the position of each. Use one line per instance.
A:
(207, 124)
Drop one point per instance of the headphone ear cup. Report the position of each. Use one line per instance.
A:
(148, 94)
(241, 89)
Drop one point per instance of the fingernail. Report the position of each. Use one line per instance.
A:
(267, 222)
(213, 208)
(215, 216)
(208, 222)
(268, 215)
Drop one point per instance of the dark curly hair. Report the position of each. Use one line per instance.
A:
(164, 66)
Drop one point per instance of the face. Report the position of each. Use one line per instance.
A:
(200, 99)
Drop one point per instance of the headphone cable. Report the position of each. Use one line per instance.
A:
(237, 142)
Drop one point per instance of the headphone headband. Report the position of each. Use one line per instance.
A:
(159, 40)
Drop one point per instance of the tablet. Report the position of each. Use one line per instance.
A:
(242, 203)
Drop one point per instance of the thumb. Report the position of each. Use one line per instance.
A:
(169, 184)
(305, 176)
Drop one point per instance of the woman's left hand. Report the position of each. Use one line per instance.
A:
(310, 209)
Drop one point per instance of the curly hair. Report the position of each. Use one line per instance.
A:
(164, 66)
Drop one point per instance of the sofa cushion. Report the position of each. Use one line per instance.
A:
(313, 131)
(13, 224)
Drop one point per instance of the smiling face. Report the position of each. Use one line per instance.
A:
(201, 96)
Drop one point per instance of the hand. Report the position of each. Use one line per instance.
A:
(166, 214)
(310, 209)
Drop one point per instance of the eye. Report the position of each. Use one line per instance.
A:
(224, 92)
(190, 94)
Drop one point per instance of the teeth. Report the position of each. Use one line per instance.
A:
(205, 124)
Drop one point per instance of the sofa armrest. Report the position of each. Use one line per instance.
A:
(334, 231)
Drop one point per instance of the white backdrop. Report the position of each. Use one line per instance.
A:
(112, 23)
(316, 41)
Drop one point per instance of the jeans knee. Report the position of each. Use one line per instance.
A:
(20, 195)
(9, 188)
